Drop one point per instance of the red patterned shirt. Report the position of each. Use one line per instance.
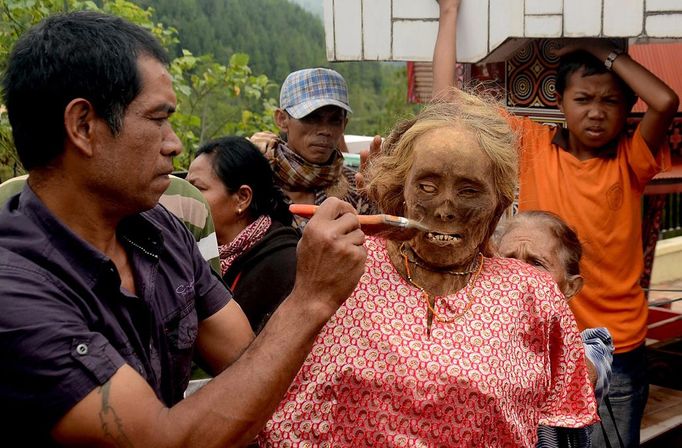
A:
(375, 378)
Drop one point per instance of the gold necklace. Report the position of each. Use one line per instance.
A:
(404, 245)
(427, 298)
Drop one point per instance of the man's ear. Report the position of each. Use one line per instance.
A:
(79, 122)
(282, 120)
(574, 284)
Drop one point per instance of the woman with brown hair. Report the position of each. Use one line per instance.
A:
(441, 343)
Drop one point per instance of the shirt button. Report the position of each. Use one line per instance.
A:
(82, 349)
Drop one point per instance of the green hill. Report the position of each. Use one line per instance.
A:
(280, 37)
(314, 6)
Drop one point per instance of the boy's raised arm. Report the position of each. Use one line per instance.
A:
(445, 50)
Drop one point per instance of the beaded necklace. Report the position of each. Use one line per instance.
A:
(427, 298)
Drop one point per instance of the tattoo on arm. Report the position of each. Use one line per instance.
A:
(112, 426)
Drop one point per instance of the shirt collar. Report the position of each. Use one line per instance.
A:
(141, 234)
(561, 137)
(137, 232)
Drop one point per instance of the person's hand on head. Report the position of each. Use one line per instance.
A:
(365, 156)
(331, 256)
(600, 48)
(265, 141)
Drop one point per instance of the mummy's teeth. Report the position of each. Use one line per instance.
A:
(443, 237)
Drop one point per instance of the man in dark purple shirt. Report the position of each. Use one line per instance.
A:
(104, 296)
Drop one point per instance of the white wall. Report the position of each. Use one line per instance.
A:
(667, 260)
(405, 30)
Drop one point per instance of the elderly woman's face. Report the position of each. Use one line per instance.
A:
(450, 189)
(534, 243)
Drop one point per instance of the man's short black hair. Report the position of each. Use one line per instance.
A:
(583, 60)
(84, 54)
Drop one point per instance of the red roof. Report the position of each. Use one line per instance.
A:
(663, 61)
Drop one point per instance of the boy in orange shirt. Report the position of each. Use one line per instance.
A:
(593, 176)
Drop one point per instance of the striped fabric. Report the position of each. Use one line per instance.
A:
(187, 203)
(599, 350)
(552, 437)
(355, 198)
(180, 198)
(10, 187)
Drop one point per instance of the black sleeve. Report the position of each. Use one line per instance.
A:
(262, 287)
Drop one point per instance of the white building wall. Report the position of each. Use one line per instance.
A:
(405, 30)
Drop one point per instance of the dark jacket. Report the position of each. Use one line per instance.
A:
(266, 274)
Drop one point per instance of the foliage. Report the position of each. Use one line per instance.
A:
(218, 91)
(212, 98)
(313, 6)
(215, 100)
(376, 109)
(9, 162)
(16, 16)
(281, 37)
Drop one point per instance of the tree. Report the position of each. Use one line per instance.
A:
(281, 37)
(212, 98)
(215, 99)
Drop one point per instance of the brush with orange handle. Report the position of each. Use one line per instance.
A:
(383, 226)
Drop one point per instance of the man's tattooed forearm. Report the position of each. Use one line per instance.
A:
(112, 426)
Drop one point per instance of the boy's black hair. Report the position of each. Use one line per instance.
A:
(86, 55)
(583, 60)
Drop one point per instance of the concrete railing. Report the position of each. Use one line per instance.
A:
(667, 261)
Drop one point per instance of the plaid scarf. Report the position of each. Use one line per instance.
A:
(246, 239)
(294, 173)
